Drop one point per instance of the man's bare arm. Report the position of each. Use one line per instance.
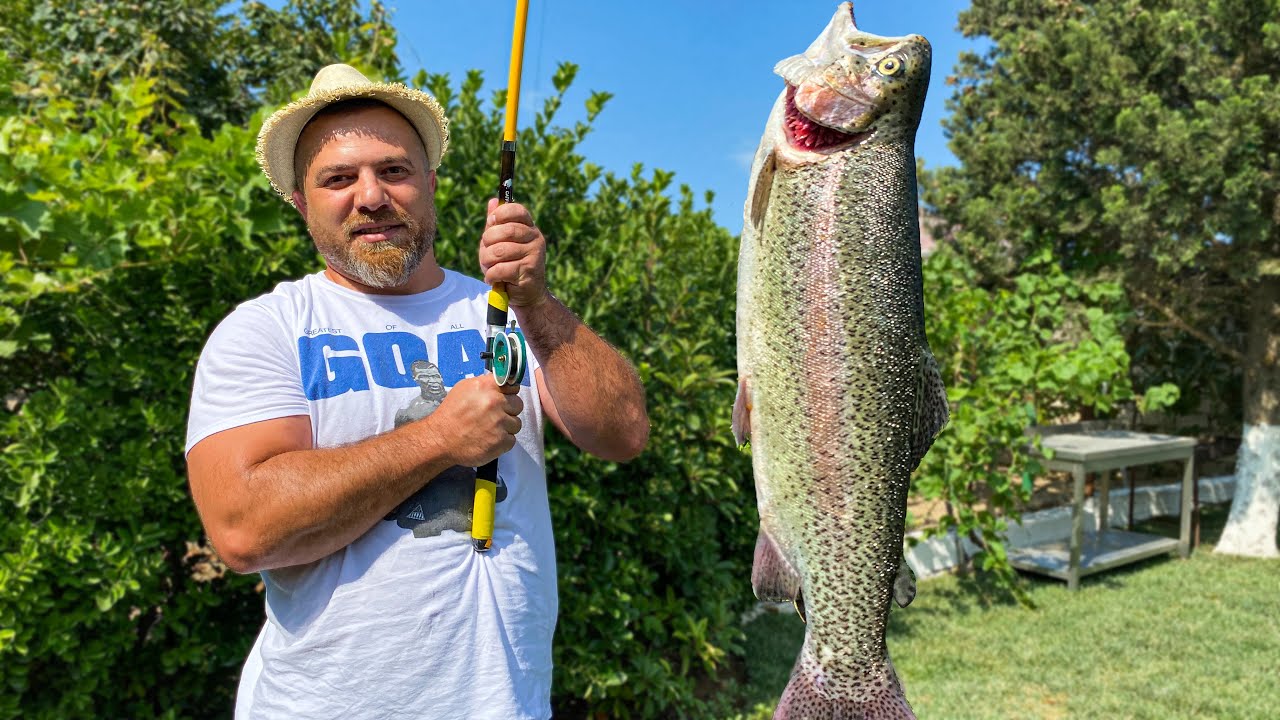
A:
(588, 390)
(268, 499)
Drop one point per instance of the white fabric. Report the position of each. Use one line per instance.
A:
(408, 621)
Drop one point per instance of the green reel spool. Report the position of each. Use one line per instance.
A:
(509, 358)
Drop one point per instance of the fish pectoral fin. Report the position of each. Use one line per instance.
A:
(932, 409)
(761, 188)
(772, 577)
(742, 413)
(904, 586)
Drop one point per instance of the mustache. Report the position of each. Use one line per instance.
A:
(385, 216)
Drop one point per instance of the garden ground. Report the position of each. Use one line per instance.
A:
(1161, 639)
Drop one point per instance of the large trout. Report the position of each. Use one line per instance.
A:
(838, 391)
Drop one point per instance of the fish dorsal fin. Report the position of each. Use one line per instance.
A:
(932, 409)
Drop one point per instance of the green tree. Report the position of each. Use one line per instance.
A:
(215, 66)
(1140, 143)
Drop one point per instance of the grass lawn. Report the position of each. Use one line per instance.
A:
(1161, 639)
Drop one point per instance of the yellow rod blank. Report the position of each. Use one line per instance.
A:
(513, 76)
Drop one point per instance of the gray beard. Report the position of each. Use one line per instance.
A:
(394, 267)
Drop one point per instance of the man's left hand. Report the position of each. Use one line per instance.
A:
(513, 251)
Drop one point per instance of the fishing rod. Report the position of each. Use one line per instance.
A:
(505, 354)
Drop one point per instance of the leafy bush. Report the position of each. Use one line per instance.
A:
(128, 227)
(1091, 128)
(123, 240)
(215, 66)
(119, 255)
(1036, 349)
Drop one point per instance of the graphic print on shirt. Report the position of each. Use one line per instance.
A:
(445, 502)
(332, 363)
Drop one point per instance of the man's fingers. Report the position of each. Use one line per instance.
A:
(506, 269)
(511, 273)
(513, 425)
(513, 403)
(509, 213)
(505, 252)
(513, 251)
(508, 233)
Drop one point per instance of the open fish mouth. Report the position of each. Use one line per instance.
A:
(805, 133)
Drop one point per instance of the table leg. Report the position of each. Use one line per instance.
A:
(1195, 513)
(1128, 478)
(1188, 499)
(1104, 502)
(1077, 528)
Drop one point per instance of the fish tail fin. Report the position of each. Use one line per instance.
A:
(805, 698)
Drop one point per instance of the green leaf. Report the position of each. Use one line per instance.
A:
(31, 214)
(595, 104)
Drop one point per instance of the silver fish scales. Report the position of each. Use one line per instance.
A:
(838, 392)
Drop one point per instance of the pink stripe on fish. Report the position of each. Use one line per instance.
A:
(826, 334)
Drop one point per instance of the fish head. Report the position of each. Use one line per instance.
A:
(851, 86)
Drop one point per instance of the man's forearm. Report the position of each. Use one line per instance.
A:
(268, 499)
(305, 504)
(596, 392)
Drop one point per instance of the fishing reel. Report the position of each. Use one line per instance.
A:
(507, 358)
(509, 355)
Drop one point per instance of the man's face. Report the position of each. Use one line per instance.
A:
(367, 195)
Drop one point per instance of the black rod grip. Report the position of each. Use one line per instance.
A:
(507, 173)
(488, 471)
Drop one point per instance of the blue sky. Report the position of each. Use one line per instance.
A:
(692, 81)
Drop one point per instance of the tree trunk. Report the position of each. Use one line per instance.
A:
(1255, 510)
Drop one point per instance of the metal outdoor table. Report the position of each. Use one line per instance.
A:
(1102, 451)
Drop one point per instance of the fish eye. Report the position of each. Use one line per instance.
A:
(889, 66)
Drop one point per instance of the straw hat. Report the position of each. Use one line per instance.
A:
(279, 135)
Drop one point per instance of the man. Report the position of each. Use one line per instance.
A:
(377, 606)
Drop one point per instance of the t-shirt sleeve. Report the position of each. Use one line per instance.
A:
(247, 373)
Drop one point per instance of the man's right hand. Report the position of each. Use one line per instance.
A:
(481, 417)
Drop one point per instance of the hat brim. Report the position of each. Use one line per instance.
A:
(278, 138)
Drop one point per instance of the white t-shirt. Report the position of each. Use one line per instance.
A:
(407, 621)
